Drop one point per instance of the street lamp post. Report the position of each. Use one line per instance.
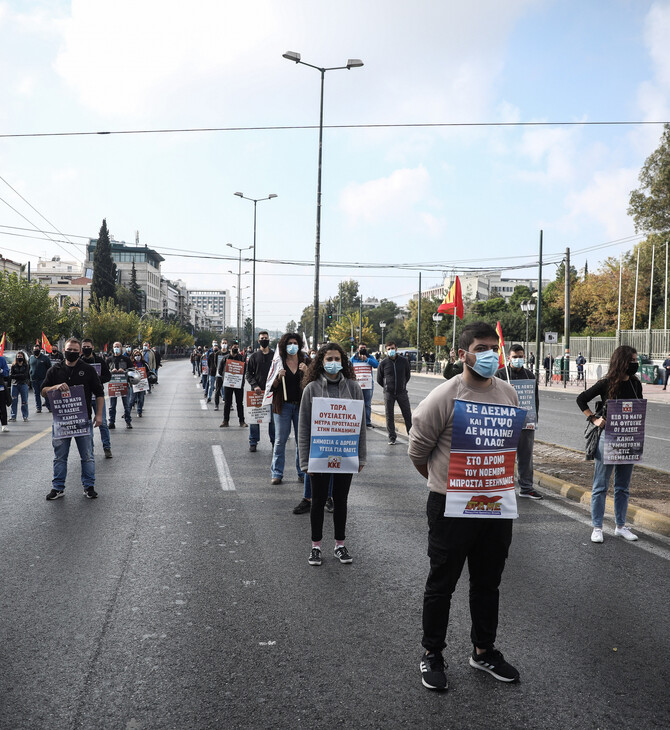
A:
(527, 307)
(351, 63)
(382, 327)
(253, 276)
(437, 318)
(239, 281)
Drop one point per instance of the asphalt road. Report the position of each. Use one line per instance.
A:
(562, 423)
(171, 602)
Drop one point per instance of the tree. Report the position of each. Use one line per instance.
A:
(650, 203)
(347, 296)
(340, 330)
(291, 326)
(137, 295)
(247, 335)
(103, 285)
(27, 310)
(107, 323)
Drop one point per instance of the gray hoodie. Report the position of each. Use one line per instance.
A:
(319, 389)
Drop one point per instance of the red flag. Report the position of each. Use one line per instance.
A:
(2, 345)
(501, 346)
(105, 347)
(453, 301)
(46, 345)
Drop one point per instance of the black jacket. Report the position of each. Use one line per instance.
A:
(221, 371)
(393, 374)
(105, 375)
(80, 374)
(19, 374)
(119, 362)
(520, 374)
(258, 367)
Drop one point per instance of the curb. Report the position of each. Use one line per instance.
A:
(638, 516)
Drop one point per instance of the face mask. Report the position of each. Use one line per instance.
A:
(332, 367)
(264, 343)
(36, 353)
(19, 360)
(117, 350)
(235, 350)
(224, 347)
(487, 363)
(518, 362)
(391, 353)
(312, 355)
(292, 349)
(633, 368)
(129, 350)
(71, 356)
(145, 348)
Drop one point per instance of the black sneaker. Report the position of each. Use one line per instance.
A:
(55, 494)
(329, 505)
(432, 669)
(108, 453)
(252, 447)
(315, 557)
(391, 440)
(111, 425)
(342, 554)
(532, 494)
(90, 493)
(129, 425)
(303, 506)
(301, 478)
(493, 662)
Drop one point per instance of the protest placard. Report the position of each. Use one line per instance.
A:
(117, 386)
(480, 482)
(205, 367)
(363, 373)
(69, 412)
(143, 385)
(233, 376)
(97, 367)
(254, 410)
(624, 431)
(335, 429)
(525, 389)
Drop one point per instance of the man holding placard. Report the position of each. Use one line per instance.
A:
(258, 367)
(523, 381)
(463, 441)
(363, 364)
(102, 369)
(231, 369)
(70, 385)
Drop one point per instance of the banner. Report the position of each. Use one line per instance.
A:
(363, 373)
(254, 410)
(117, 386)
(70, 413)
(336, 428)
(97, 367)
(233, 374)
(624, 431)
(205, 367)
(480, 482)
(275, 367)
(144, 383)
(525, 389)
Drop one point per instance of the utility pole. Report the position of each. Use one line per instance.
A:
(538, 321)
(566, 335)
(418, 327)
(651, 298)
(637, 274)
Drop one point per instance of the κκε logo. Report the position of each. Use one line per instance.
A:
(334, 462)
(481, 503)
(627, 407)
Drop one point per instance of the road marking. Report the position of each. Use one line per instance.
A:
(24, 444)
(203, 404)
(227, 483)
(658, 438)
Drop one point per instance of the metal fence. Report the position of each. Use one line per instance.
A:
(654, 344)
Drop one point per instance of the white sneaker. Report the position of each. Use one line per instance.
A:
(597, 535)
(625, 533)
(5, 429)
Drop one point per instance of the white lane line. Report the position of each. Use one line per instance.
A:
(227, 483)
(203, 404)
(658, 438)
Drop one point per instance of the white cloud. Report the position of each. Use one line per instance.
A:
(385, 198)
(552, 151)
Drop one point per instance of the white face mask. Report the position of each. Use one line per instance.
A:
(518, 362)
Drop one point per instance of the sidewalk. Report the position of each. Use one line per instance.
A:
(639, 516)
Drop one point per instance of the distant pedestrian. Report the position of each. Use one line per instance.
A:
(136, 399)
(19, 374)
(619, 383)
(229, 392)
(453, 367)
(547, 364)
(393, 375)
(580, 362)
(38, 364)
(119, 363)
(97, 362)
(258, 367)
(666, 368)
(365, 362)
(5, 393)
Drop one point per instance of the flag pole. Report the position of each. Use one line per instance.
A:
(453, 337)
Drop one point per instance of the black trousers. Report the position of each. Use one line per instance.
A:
(389, 403)
(320, 484)
(484, 543)
(228, 403)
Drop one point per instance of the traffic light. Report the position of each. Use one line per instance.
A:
(330, 316)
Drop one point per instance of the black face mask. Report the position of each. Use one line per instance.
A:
(19, 361)
(264, 343)
(71, 356)
(632, 368)
(235, 350)
(36, 353)
(88, 351)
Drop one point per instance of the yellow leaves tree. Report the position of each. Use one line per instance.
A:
(340, 331)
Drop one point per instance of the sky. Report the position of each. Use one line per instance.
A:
(440, 198)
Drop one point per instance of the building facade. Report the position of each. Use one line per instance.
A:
(214, 304)
(66, 280)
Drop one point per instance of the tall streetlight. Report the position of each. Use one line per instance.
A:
(351, 63)
(253, 276)
(382, 327)
(437, 318)
(527, 307)
(239, 280)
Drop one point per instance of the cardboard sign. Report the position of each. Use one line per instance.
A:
(233, 376)
(275, 367)
(143, 385)
(97, 367)
(254, 410)
(335, 433)
(363, 373)
(480, 482)
(205, 368)
(525, 389)
(69, 412)
(117, 386)
(624, 431)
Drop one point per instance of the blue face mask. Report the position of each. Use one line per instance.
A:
(487, 363)
(332, 367)
(117, 350)
(391, 353)
(292, 349)
(518, 362)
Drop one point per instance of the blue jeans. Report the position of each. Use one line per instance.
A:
(283, 422)
(139, 399)
(204, 380)
(601, 478)
(61, 452)
(255, 432)
(126, 408)
(21, 390)
(367, 399)
(37, 389)
(209, 390)
(104, 428)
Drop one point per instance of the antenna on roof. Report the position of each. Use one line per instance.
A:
(137, 238)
